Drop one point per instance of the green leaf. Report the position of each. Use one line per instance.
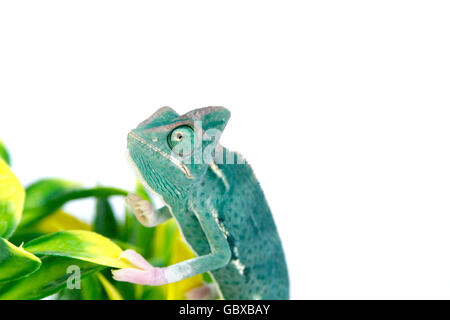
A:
(68, 294)
(91, 288)
(78, 244)
(126, 289)
(4, 154)
(46, 196)
(105, 222)
(52, 277)
(24, 236)
(41, 197)
(154, 293)
(15, 262)
(11, 200)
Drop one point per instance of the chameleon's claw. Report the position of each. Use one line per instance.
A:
(142, 209)
(147, 275)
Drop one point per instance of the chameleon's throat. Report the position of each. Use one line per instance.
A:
(141, 178)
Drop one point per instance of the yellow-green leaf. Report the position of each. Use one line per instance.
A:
(60, 221)
(12, 197)
(111, 291)
(52, 277)
(79, 244)
(15, 262)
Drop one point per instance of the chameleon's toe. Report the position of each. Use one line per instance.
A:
(147, 274)
(142, 209)
(151, 277)
(136, 259)
(132, 198)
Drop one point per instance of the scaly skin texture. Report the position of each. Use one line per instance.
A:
(220, 208)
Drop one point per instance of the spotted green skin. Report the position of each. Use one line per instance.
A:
(256, 268)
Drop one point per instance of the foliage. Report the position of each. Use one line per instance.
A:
(40, 243)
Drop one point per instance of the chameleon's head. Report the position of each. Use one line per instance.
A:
(172, 152)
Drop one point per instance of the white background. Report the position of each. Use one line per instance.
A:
(341, 107)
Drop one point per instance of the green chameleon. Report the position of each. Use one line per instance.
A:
(216, 201)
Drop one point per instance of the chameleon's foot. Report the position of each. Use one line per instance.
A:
(142, 209)
(204, 292)
(147, 274)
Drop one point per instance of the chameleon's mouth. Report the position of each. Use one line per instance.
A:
(177, 162)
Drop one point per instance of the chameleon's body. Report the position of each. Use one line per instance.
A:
(220, 210)
(257, 269)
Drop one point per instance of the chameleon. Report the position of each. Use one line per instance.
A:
(216, 201)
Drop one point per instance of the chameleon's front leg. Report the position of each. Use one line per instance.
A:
(145, 212)
(148, 275)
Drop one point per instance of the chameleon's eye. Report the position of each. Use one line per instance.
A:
(181, 140)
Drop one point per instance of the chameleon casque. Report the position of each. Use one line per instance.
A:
(218, 205)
